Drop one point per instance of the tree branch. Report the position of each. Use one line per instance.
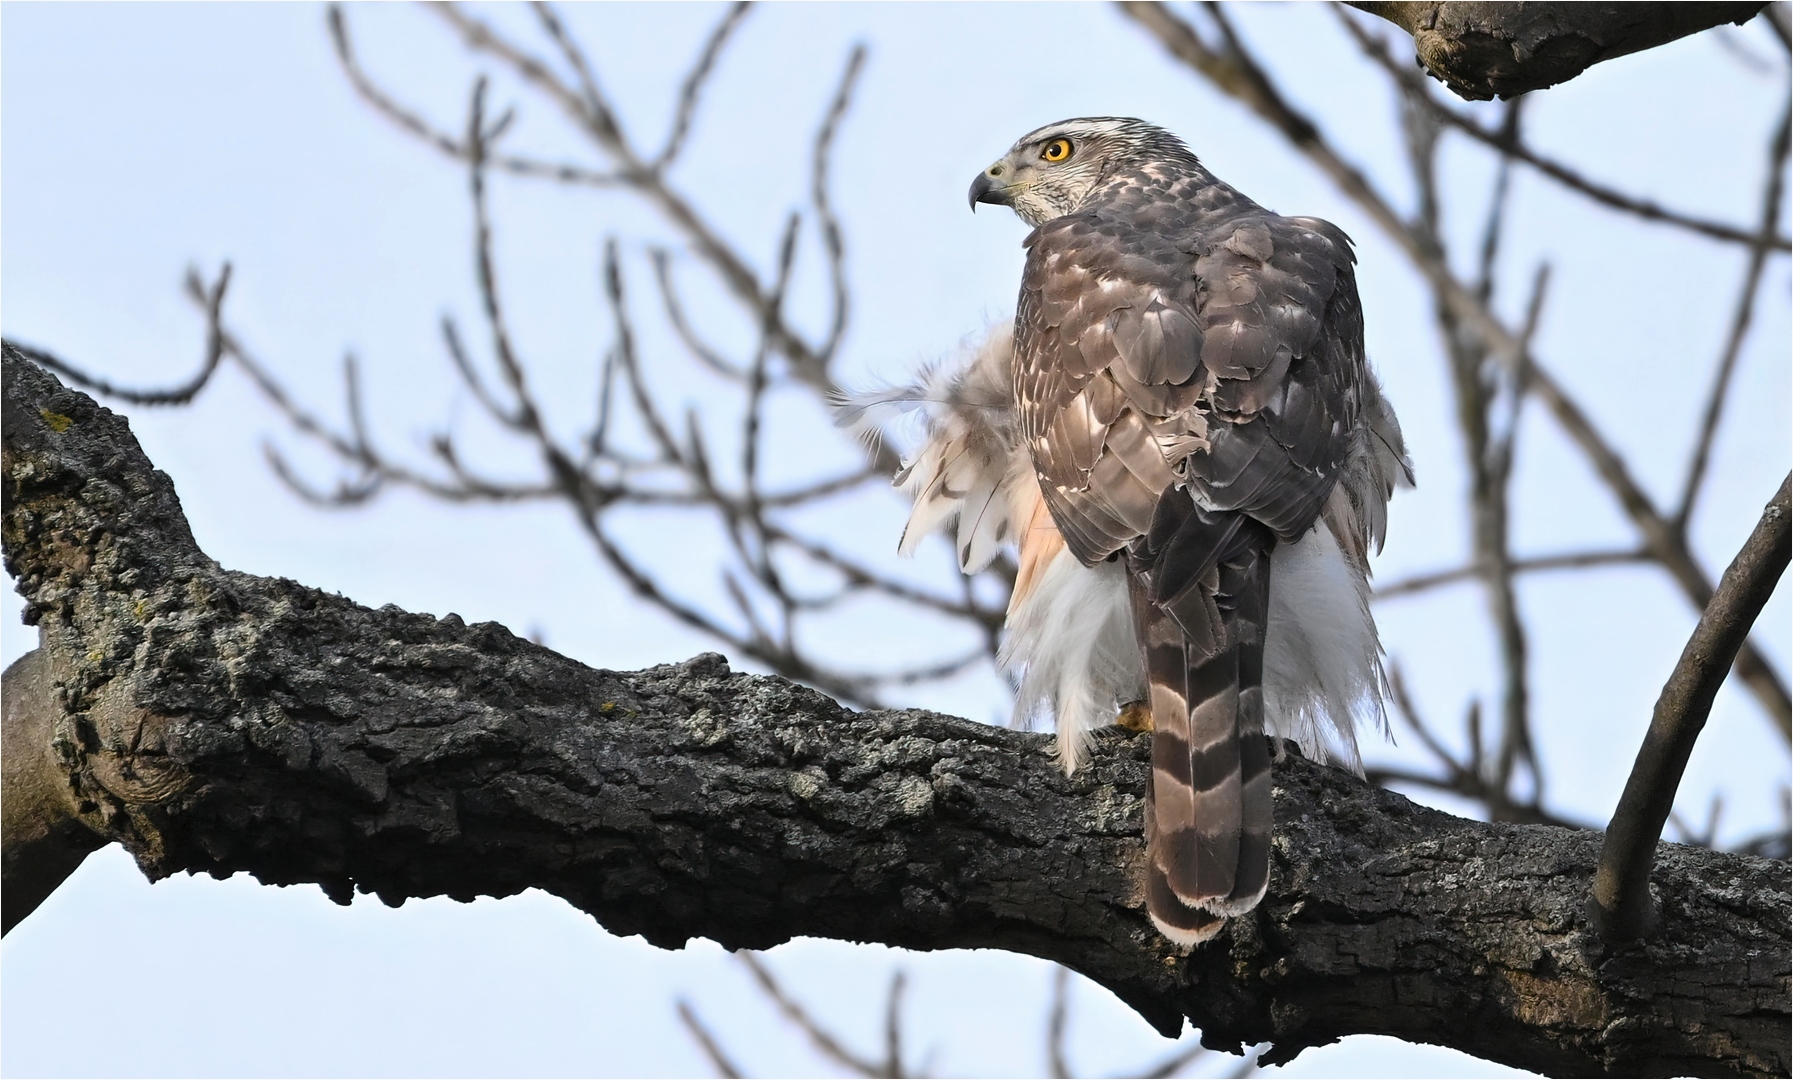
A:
(215, 345)
(1772, 189)
(1484, 50)
(1580, 560)
(1622, 887)
(706, 1041)
(216, 722)
(42, 837)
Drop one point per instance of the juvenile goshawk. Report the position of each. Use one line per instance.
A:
(1195, 460)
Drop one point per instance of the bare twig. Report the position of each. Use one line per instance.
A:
(1471, 779)
(595, 104)
(750, 436)
(412, 121)
(527, 417)
(1469, 786)
(893, 1026)
(1188, 1054)
(463, 365)
(819, 1037)
(1772, 189)
(818, 188)
(213, 300)
(675, 314)
(857, 574)
(601, 127)
(721, 1062)
(1580, 560)
(1057, 1015)
(1622, 884)
(1477, 392)
(693, 86)
(1707, 835)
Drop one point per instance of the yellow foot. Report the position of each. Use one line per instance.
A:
(1135, 716)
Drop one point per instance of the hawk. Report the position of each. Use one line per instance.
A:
(1185, 443)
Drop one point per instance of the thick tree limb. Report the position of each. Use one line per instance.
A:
(216, 722)
(1482, 51)
(1622, 886)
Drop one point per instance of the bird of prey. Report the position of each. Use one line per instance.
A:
(1186, 444)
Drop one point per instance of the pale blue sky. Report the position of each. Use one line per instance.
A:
(137, 139)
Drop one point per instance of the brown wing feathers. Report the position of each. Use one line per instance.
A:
(1188, 385)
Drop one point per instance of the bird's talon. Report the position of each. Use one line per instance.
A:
(1135, 716)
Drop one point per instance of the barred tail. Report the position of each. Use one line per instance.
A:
(1200, 625)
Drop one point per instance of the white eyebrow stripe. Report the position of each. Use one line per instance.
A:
(1090, 126)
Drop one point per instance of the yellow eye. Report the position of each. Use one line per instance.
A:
(1057, 150)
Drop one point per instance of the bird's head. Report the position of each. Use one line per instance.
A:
(1051, 170)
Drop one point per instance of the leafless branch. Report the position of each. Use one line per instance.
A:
(1772, 189)
(413, 122)
(1056, 1014)
(742, 513)
(600, 125)
(528, 418)
(1478, 393)
(819, 1037)
(213, 300)
(893, 1027)
(1574, 561)
(720, 1061)
(1472, 777)
(1706, 835)
(570, 51)
(818, 187)
(1622, 884)
(675, 314)
(693, 86)
(603, 475)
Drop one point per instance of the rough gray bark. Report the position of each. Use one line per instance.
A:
(216, 722)
(1482, 51)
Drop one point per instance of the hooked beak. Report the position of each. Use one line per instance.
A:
(985, 189)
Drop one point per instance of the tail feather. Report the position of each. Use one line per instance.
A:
(1208, 802)
(1183, 923)
(1245, 580)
